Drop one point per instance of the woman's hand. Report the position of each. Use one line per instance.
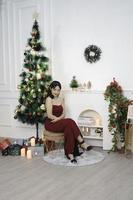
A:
(55, 119)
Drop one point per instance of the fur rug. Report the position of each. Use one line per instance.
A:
(57, 157)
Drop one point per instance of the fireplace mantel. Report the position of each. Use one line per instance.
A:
(78, 101)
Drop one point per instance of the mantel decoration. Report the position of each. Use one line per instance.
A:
(118, 107)
(74, 83)
(92, 53)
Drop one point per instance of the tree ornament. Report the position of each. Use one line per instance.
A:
(41, 82)
(38, 76)
(92, 53)
(42, 75)
(34, 96)
(22, 108)
(38, 66)
(23, 97)
(42, 107)
(28, 48)
(32, 91)
(34, 32)
(33, 52)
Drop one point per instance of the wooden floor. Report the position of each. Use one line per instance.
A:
(111, 179)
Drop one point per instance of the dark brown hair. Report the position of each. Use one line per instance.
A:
(52, 86)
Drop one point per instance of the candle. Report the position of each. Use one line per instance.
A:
(32, 142)
(23, 152)
(29, 155)
(87, 129)
(82, 129)
(97, 122)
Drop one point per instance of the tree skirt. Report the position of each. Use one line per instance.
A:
(57, 157)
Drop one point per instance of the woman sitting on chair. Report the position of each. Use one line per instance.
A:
(56, 122)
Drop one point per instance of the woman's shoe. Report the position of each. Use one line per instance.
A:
(76, 151)
(77, 154)
(74, 161)
(84, 146)
(71, 158)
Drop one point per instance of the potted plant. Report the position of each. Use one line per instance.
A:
(118, 107)
(74, 83)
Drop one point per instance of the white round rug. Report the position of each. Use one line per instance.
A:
(57, 157)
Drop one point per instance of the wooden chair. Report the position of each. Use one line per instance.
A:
(129, 139)
(52, 140)
(129, 130)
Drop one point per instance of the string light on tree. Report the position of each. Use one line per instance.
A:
(34, 81)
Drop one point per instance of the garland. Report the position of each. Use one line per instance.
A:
(118, 107)
(92, 54)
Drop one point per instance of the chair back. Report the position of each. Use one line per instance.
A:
(130, 113)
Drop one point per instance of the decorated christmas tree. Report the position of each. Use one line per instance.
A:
(34, 82)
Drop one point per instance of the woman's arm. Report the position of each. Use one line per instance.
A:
(63, 105)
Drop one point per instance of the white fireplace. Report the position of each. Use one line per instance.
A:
(91, 127)
(90, 111)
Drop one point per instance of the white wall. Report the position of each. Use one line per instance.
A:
(105, 23)
(67, 28)
(16, 20)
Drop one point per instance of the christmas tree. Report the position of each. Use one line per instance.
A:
(34, 82)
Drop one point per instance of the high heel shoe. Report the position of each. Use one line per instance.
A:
(77, 154)
(71, 158)
(76, 151)
(84, 146)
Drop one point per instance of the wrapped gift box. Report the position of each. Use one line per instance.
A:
(37, 150)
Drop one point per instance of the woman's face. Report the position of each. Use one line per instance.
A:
(55, 91)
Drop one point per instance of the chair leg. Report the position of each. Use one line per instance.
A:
(49, 145)
(60, 144)
(45, 147)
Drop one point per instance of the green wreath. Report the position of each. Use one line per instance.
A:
(92, 53)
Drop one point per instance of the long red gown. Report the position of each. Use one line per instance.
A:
(67, 126)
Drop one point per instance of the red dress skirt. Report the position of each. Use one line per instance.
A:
(66, 126)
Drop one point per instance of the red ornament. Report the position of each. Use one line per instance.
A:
(113, 125)
(123, 125)
(42, 76)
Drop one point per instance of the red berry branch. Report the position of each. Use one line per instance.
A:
(118, 106)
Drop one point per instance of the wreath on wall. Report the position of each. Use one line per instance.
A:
(92, 53)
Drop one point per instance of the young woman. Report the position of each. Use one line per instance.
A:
(56, 122)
